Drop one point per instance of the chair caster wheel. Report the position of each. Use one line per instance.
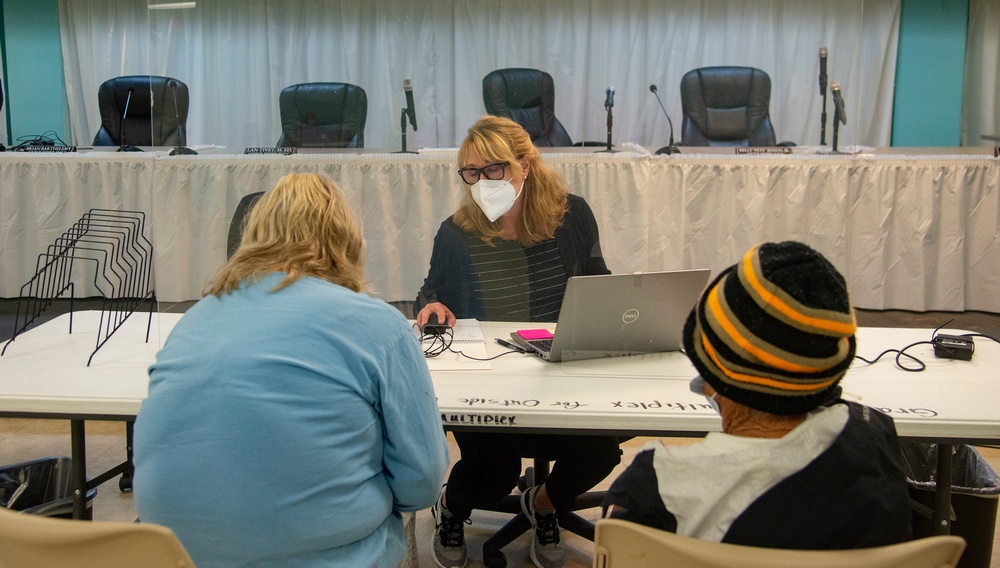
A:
(125, 483)
(522, 484)
(495, 560)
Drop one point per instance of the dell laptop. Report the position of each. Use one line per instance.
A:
(613, 315)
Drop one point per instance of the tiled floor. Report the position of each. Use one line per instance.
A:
(27, 439)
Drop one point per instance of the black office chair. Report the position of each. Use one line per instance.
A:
(726, 106)
(239, 222)
(493, 556)
(527, 96)
(153, 119)
(323, 115)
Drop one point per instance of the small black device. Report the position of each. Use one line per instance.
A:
(953, 347)
(433, 326)
(510, 345)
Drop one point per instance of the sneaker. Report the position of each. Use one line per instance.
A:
(449, 537)
(546, 549)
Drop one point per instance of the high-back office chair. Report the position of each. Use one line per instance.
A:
(621, 544)
(323, 115)
(527, 96)
(239, 222)
(726, 106)
(43, 542)
(152, 120)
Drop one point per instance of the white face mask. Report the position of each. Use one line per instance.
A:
(698, 387)
(713, 403)
(495, 196)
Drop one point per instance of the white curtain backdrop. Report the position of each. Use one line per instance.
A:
(236, 56)
(981, 95)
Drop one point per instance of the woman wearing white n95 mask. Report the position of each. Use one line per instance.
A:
(507, 252)
(506, 255)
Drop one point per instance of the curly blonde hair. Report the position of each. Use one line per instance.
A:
(499, 139)
(304, 227)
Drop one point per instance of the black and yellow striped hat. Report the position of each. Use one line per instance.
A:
(774, 332)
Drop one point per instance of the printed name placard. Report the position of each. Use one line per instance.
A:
(764, 150)
(269, 150)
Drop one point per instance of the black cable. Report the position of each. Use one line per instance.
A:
(441, 343)
(47, 138)
(479, 359)
(980, 335)
(900, 353)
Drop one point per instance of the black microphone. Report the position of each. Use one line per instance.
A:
(610, 100)
(123, 147)
(179, 150)
(822, 70)
(411, 111)
(669, 148)
(838, 104)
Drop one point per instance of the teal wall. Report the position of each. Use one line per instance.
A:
(927, 106)
(34, 85)
(927, 109)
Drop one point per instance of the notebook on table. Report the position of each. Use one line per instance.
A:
(614, 315)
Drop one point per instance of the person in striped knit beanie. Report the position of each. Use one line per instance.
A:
(774, 332)
(795, 466)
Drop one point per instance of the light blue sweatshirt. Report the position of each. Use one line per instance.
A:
(289, 428)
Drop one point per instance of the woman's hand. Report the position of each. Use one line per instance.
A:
(444, 315)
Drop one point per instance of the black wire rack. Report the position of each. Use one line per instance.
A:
(114, 245)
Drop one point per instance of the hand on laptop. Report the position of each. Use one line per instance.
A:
(444, 315)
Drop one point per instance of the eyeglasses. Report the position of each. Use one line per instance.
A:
(492, 171)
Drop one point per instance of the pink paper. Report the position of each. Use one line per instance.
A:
(530, 334)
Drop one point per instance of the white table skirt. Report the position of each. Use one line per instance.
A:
(915, 232)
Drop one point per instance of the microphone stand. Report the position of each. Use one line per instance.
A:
(670, 148)
(836, 127)
(121, 133)
(179, 150)
(611, 121)
(402, 133)
(822, 122)
(839, 115)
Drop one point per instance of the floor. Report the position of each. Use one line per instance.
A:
(27, 439)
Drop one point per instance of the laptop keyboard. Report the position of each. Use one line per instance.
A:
(542, 344)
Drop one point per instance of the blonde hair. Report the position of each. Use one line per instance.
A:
(303, 226)
(498, 139)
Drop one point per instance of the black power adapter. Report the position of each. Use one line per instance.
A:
(953, 347)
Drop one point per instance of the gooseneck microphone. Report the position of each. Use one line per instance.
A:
(123, 147)
(408, 113)
(179, 150)
(670, 148)
(839, 113)
(822, 91)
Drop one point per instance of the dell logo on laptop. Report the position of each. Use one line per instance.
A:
(630, 315)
